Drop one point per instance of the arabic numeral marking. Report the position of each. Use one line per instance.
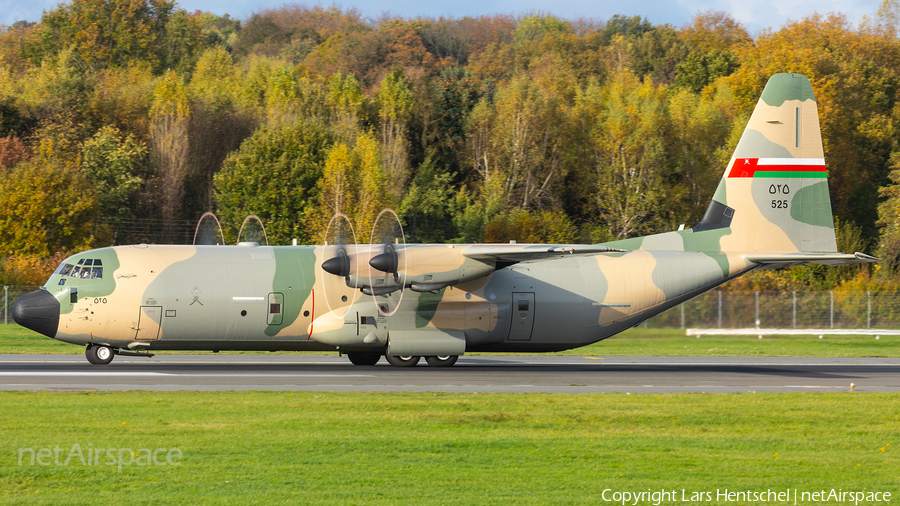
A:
(779, 204)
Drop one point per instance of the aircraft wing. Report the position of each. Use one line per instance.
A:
(786, 259)
(532, 252)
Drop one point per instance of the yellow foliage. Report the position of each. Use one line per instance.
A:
(352, 184)
(31, 269)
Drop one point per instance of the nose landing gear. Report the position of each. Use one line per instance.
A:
(99, 354)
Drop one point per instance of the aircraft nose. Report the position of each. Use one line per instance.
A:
(38, 311)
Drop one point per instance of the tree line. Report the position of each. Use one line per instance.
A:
(125, 120)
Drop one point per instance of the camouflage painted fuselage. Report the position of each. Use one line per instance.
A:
(270, 298)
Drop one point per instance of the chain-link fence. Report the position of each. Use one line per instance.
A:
(786, 310)
(8, 297)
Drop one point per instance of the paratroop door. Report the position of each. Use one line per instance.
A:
(522, 311)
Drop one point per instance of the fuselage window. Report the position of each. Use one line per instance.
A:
(97, 262)
(67, 269)
(75, 271)
(81, 262)
(88, 261)
(85, 273)
(97, 273)
(523, 305)
(275, 308)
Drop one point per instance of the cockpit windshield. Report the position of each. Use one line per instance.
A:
(86, 268)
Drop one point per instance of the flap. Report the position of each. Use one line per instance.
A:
(810, 258)
(426, 342)
(532, 252)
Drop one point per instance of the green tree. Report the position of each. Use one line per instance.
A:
(346, 100)
(105, 33)
(536, 27)
(630, 159)
(352, 184)
(281, 95)
(528, 144)
(394, 104)
(274, 175)
(427, 205)
(183, 42)
(112, 164)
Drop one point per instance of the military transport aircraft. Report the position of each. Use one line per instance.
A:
(771, 209)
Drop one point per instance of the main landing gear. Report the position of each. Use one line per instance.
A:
(99, 354)
(402, 360)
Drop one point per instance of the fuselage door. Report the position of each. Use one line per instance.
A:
(148, 323)
(522, 316)
(275, 309)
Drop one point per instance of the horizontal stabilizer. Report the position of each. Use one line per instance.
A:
(532, 252)
(786, 259)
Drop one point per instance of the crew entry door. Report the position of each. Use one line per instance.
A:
(148, 323)
(522, 316)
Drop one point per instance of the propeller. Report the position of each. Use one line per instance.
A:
(255, 232)
(341, 263)
(207, 226)
(387, 231)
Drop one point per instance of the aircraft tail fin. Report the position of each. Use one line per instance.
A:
(774, 194)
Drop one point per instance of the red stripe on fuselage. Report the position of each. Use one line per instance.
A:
(312, 314)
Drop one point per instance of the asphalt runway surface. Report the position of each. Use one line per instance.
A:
(534, 373)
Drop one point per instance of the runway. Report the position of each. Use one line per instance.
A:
(564, 374)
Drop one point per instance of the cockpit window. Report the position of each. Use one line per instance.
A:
(87, 268)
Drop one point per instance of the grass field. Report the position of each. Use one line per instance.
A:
(637, 341)
(438, 448)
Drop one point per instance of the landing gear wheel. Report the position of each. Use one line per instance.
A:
(402, 361)
(442, 360)
(364, 358)
(89, 354)
(101, 355)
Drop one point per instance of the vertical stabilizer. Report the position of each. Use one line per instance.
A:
(774, 193)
